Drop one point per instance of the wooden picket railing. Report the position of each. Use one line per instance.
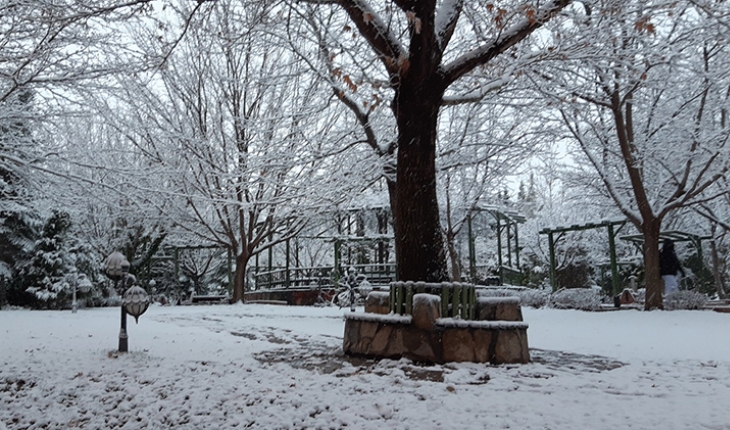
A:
(458, 300)
(281, 277)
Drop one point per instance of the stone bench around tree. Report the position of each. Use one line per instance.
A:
(425, 336)
(377, 302)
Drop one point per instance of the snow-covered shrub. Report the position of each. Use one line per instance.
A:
(498, 291)
(534, 298)
(640, 295)
(576, 298)
(685, 300)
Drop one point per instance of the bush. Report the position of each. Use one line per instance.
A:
(687, 300)
(528, 297)
(576, 298)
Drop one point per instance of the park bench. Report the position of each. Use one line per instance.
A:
(211, 299)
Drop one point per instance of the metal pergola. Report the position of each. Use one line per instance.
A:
(506, 225)
(613, 228)
(172, 253)
(674, 235)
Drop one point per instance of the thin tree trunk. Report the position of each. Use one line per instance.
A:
(717, 265)
(716, 273)
(454, 260)
(239, 278)
(650, 225)
(654, 286)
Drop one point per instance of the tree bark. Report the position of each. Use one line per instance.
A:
(239, 277)
(650, 224)
(453, 259)
(419, 80)
(654, 286)
(717, 264)
(419, 242)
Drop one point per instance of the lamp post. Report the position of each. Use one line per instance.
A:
(74, 304)
(135, 303)
(78, 281)
(135, 300)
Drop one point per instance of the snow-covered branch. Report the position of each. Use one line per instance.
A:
(606, 179)
(506, 39)
(446, 19)
(371, 26)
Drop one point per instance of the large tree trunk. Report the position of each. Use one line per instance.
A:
(420, 79)
(419, 244)
(654, 286)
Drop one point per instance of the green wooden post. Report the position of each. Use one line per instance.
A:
(462, 302)
(553, 277)
(271, 263)
(614, 265)
(394, 303)
(517, 246)
(391, 302)
(472, 251)
(509, 243)
(466, 303)
(456, 302)
(401, 299)
(409, 300)
(444, 301)
(337, 262)
(297, 262)
(473, 308)
(287, 274)
(499, 244)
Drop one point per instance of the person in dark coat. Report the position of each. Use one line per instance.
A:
(669, 266)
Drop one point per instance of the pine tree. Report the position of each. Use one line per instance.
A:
(521, 193)
(19, 223)
(44, 275)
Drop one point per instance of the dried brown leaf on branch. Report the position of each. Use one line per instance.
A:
(643, 24)
(350, 84)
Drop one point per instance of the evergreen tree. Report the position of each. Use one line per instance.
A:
(521, 193)
(19, 223)
(44, 274)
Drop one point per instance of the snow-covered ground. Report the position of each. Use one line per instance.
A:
(276, 367)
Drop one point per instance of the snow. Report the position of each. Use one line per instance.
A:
(511, 300)
(390, 318)
(447, 13)
(493, 325)
(278, 367)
